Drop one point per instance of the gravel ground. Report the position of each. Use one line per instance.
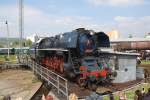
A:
(18, 84)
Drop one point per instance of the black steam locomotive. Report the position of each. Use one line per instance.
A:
(75, 55)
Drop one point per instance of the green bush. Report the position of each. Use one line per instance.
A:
(6, 58)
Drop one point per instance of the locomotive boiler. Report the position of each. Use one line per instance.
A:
(74, 55)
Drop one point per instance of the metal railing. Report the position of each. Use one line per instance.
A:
(60, 83)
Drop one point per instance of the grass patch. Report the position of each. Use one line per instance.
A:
(107, 98)
(4, 58)
(35, 80)
(145, 62)
(130, 93)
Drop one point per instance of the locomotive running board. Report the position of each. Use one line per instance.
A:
(51, 49)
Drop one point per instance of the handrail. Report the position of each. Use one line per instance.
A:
(72, 62)
(60, 83)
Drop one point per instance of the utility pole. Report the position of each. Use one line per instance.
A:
(21, 22)
(7, 28)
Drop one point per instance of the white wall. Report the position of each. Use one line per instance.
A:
(127, 69)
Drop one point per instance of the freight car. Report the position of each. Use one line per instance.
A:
(74, 55)
(138, 45)
(4, 51)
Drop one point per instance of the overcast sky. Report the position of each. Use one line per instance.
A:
(44, 17)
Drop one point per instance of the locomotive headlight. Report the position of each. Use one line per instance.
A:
(61, 36)
(91, 32)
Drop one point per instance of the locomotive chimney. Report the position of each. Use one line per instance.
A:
(82, 30)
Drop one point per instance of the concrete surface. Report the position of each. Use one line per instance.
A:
(18, 84)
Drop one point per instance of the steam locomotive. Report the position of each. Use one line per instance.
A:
(75, 55)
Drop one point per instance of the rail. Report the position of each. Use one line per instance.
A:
(60, 83)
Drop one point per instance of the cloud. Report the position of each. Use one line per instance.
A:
(38, 21)
(124, 19)
(115, 2)
(9, 13)
(133, 25)
(42, 23)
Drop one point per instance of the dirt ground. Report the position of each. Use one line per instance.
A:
(146, 66)
(23, 84)
(18, 84)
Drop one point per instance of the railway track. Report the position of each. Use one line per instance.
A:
(73, 88)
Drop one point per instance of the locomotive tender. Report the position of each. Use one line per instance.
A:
(75, 55)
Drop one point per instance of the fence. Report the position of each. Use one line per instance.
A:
(9, 64)
(49, 76)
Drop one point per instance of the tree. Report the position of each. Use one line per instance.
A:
(28, 42)
(15, 44)
(13, 51)
(1, 46)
